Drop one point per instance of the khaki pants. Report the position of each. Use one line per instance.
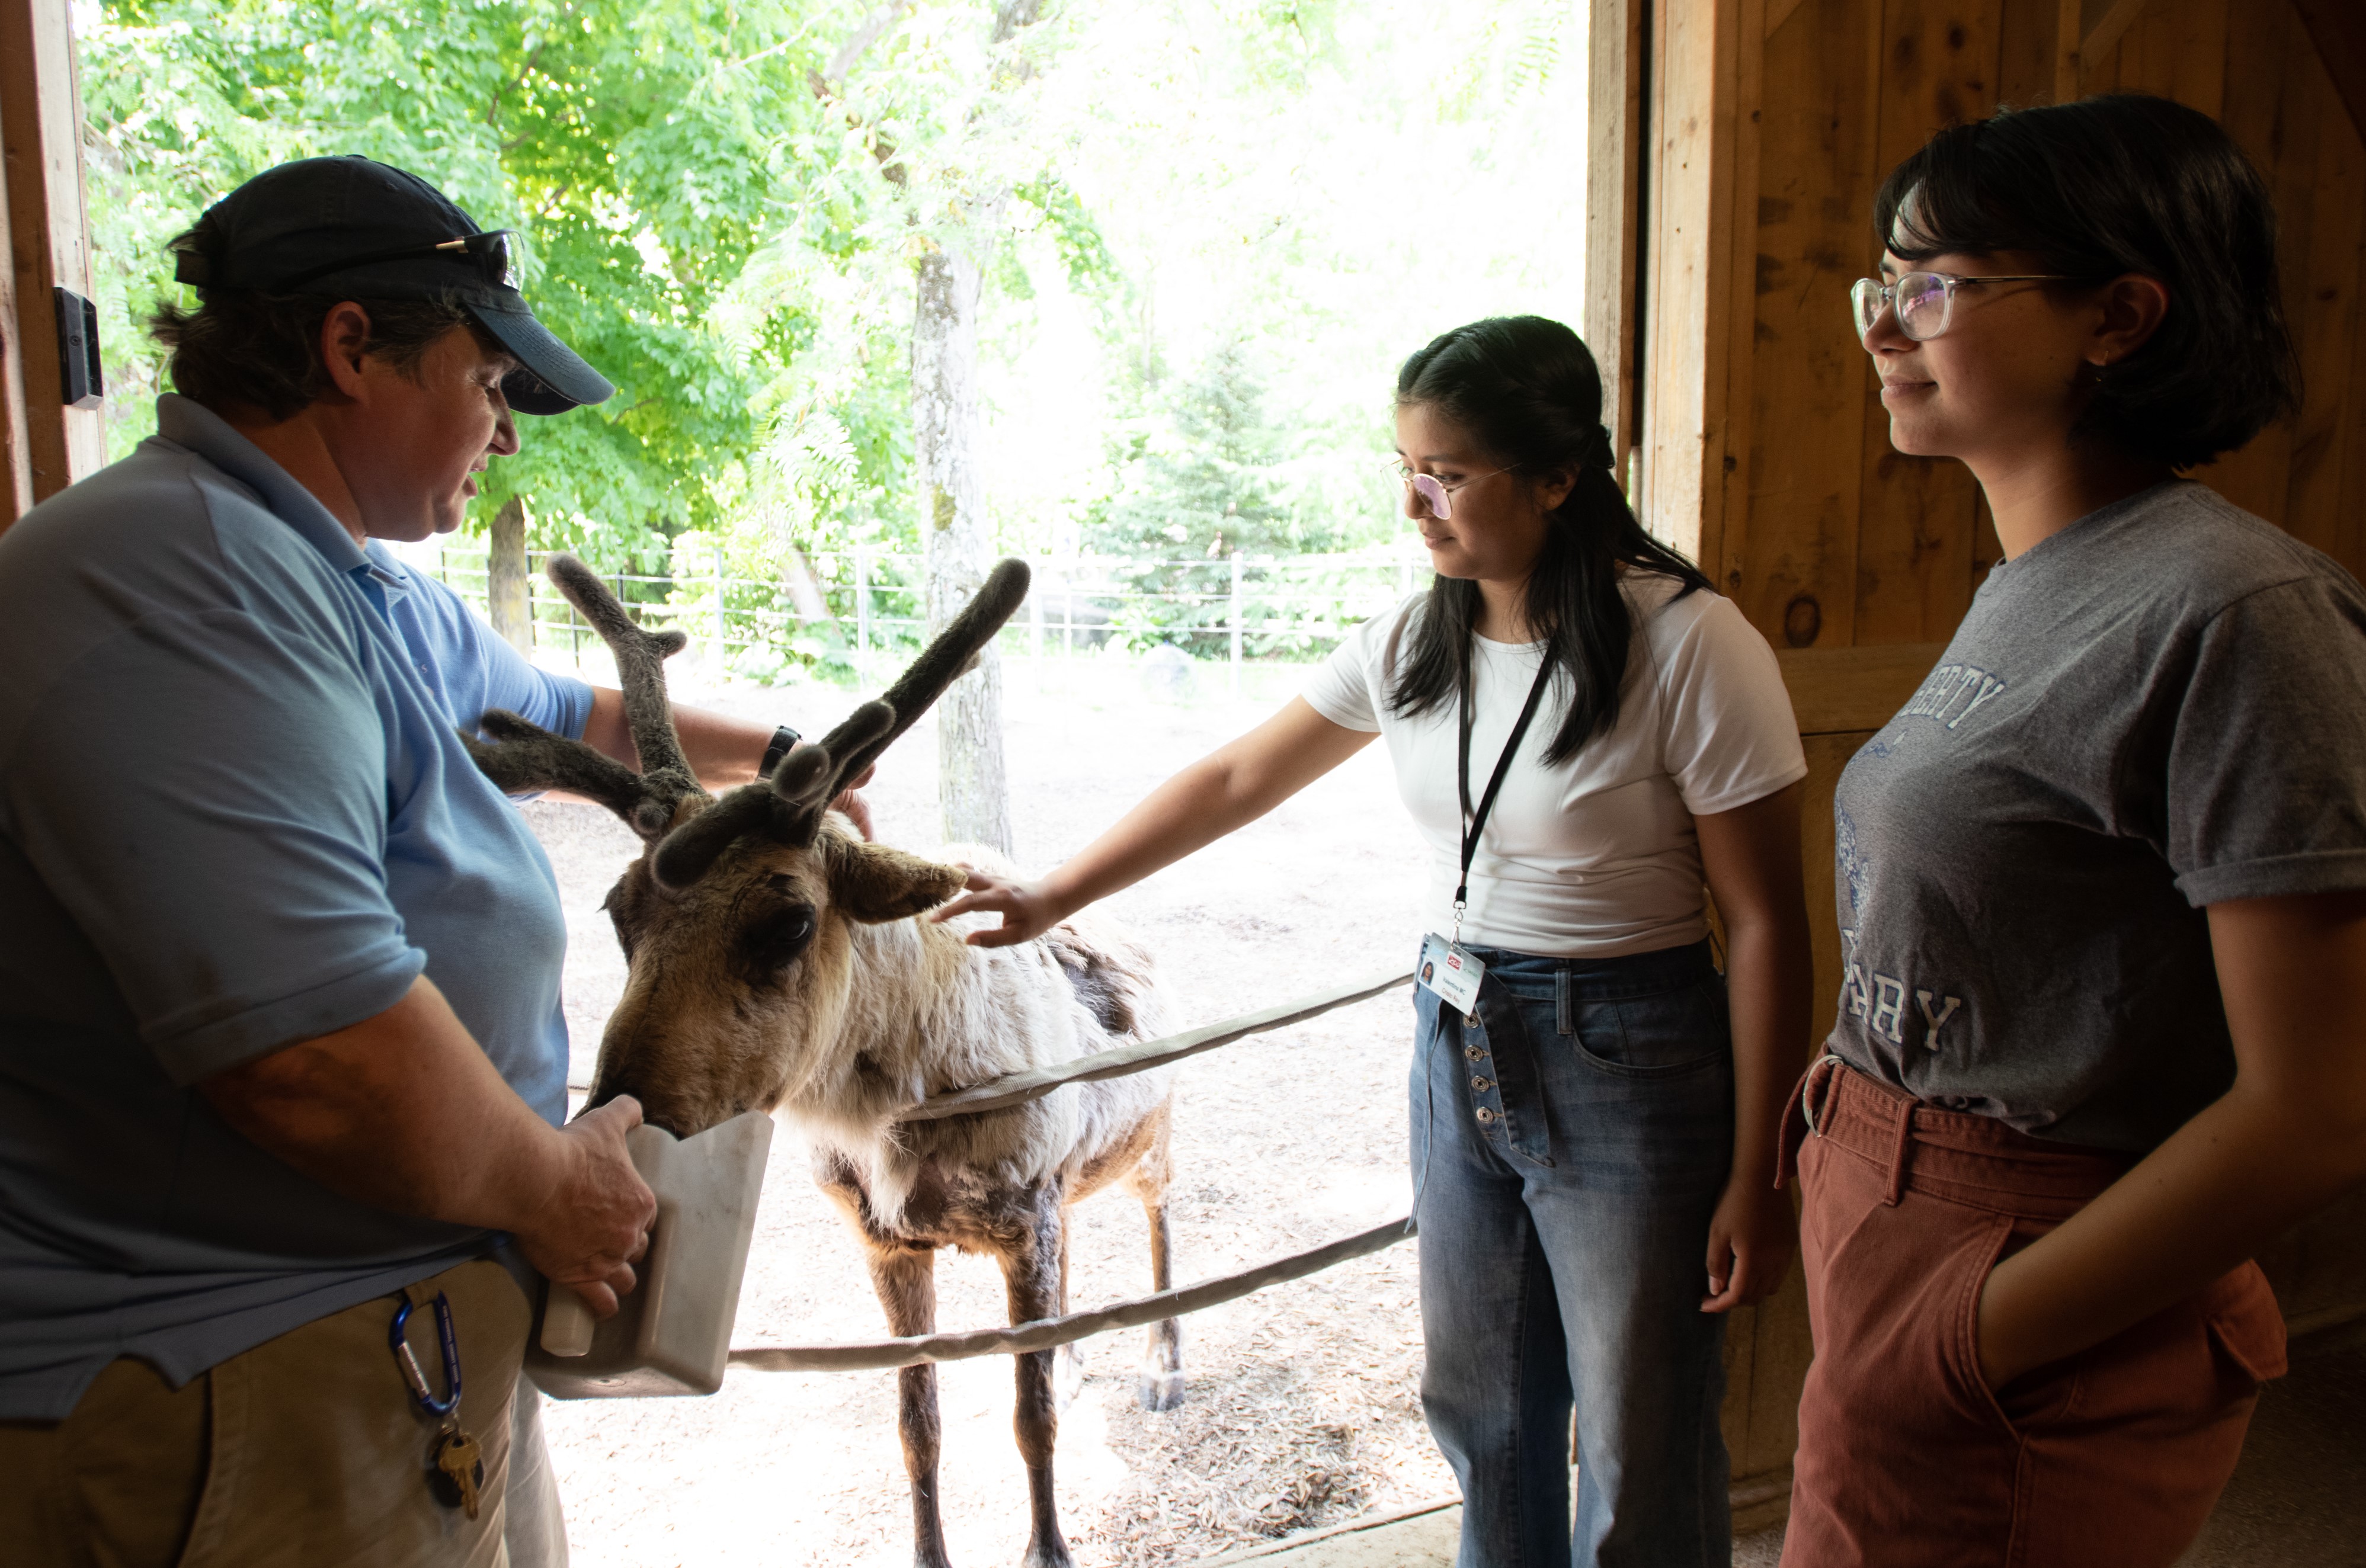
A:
(306, 1451)
(536, 1529)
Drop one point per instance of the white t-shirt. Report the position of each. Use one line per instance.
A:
(1598, 856)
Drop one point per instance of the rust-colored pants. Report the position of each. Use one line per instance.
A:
(2111, 1458)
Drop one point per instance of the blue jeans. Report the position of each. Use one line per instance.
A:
(1570, 1144)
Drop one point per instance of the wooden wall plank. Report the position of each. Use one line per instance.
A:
(2027, 66)
(2104, 33)
(1837, 690)
(2349, 544)
(1740, 245)
(2337, 29)
(40, 138)
(2323, 309)
(2177, 48)
(1917, 527)
(1794, 576)
(2069, 28)
(1615, 141)
(2270, 112)
(1688, 266)
(15, 449)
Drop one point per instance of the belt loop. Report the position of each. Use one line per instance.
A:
(1903, 1109)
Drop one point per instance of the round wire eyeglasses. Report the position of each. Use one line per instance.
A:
(1435, 493)
(1925, 302)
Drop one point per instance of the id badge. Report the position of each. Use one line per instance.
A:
(1451, 972)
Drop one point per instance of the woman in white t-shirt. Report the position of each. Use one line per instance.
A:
(1594, 1141)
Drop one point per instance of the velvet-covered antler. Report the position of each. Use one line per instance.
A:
(789, 806)
(940, 664)
(523, 756)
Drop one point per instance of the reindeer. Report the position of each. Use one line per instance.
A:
(775, 963)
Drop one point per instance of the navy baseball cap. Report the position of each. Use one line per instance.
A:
(362, 229)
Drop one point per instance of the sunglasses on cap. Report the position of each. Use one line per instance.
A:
(495, 251)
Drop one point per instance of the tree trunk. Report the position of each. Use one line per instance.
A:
(505, 587)
(970, 786)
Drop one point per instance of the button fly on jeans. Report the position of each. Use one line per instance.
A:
(1485, 1115)
(1474, 1053)
(1481, 1085)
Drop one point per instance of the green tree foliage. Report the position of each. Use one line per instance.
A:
(1213, 228)
(697, 223)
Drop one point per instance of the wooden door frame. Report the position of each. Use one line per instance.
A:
(1618, 52)
(46, 445)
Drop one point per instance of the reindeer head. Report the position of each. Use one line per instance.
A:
(737, 918)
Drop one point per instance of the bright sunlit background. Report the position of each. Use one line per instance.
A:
(1216, 226)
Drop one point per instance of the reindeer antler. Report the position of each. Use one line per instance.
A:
(525, 756)
(940, 664)
(790, 805)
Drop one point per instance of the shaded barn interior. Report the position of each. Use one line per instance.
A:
(1749, 139)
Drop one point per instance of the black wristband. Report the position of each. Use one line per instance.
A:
(782, 739)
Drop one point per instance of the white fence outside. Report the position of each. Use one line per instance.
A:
(856, 606)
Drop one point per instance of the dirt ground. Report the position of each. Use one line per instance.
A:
(1301, 1407)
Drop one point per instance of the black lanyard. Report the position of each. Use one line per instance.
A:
(1477, 821)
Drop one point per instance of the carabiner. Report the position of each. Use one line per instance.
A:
(400, 1344)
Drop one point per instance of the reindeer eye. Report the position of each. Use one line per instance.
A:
(771, 942)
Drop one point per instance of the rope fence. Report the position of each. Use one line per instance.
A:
(1018, 1089)
(881, 1355)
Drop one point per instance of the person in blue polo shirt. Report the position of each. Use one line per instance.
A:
(282, 1065)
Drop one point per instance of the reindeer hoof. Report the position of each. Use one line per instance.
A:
(1160, 1390)
(1054, 1554)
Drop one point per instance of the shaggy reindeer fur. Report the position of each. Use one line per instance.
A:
(981, 1013)
(775, 963)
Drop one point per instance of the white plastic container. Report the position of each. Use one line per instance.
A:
(672, 1334)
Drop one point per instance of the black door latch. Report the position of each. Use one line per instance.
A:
(78, 373)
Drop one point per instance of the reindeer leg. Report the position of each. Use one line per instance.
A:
(1161, 1387)
(1068, 1378)
(905, 1279)
(1030, 1277)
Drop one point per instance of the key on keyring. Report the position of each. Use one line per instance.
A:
(459, 1470)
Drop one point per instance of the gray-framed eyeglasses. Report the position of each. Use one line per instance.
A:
(1436, 494)
(1925, 302)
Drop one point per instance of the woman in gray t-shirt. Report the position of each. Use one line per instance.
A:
(2102, 883)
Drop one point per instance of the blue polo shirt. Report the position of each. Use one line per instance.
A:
(465, 665)
(233, 815)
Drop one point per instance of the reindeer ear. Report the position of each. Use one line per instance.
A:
(875, 884)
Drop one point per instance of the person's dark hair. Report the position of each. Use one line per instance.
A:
(2123, 184)
(1525, 389)
(246, 348)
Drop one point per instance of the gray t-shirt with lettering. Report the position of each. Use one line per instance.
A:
(2160, 708)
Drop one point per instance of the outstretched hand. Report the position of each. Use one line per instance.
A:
(1027, 912)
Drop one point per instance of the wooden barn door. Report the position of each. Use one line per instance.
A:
(1762, 446)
